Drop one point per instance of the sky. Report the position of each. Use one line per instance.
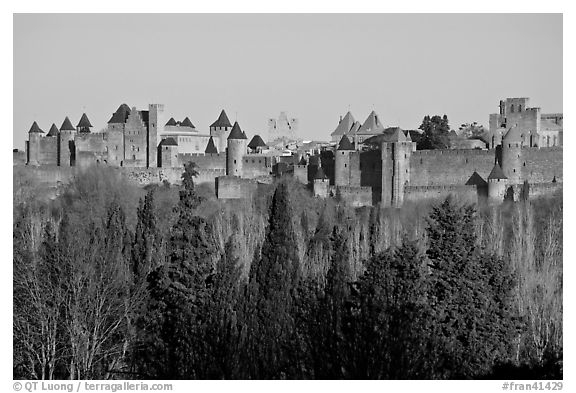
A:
(315, 67)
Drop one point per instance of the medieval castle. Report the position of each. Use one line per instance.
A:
(363, 165)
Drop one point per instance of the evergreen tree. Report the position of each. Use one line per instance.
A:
(435, 131)
(469, 295)
(273, 280)
(330, 342)
(146, 238)
(177, 317)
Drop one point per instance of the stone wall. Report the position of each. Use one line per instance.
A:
(353, 196)
(462, 192)
(256, 165)
(232, 187)
(541, 165)
(448, 167)
(205, 161)
(48, 150)
(18, 157)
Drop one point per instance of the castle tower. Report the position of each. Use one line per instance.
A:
(155, 128)
(66, 147)
(512, 155)
(342, 162)
(33, 146)
(84, 124)
(321, 183)
(220, 130)
(301, 171)
(497, 183)
(396, 152)
(168, 153)
(236, 151)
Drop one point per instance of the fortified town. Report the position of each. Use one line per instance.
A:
(363, 164)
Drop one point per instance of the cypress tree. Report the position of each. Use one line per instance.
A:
(273, 280)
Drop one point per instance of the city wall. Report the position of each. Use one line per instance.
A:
(463, 192)
(353, 196)
(232, 187)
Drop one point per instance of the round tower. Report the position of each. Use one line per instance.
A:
(235, 151)
(321, 183)
(497, 184)
(33, 146)
(512, 155)
(66, 148)
(342, 162)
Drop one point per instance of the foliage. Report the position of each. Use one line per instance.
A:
(435, 131)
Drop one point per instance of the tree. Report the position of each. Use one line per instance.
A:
(146, 238)
(435, 131)
(471, 130)
(470, 292)
(175, 345)
(273, 280)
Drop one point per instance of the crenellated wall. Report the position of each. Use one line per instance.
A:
(353, 196)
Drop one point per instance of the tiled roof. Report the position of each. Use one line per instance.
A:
(302, 161)
(345, 144)
(344, 125)
(67, 125)
(372, 125)
(256, 142)
(169, 142)
(211, 147)
(320, 174)
(222, 121)
(84, 122)
(476, 180)
(355, 127)
(171, 122)
(35, 128)
(53, 130)
(497, 173)
(120, 115)
(236, 132)
(187, 123)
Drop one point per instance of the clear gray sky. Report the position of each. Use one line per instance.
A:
(314, 66)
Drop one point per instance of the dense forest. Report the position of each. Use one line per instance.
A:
(112, 281)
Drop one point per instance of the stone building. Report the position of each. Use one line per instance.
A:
(282, 128)
(536, 129)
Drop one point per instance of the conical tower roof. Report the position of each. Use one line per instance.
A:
(236, 132)
(256, 142)
(67, 125)
(187, 123)
(302, 161)
(171, 122)
(211, 147)
(120, 115)
(476, 180)
(497, 173)
(35, 128)
(222, 121)
(345, 125)
(397, 135)
(84, 122)
(345, 144)
(53, 130)
(320, 174)
(372, 125)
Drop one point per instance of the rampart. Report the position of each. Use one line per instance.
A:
(353, 196)
(233, 187)
(449, 167)
(542, 165)
(463, 192)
